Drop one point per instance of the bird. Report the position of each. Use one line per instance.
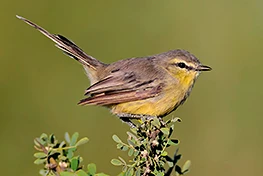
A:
(138, 87)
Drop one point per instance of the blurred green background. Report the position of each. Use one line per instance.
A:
(221, 132)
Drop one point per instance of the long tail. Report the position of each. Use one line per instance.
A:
(68, 47)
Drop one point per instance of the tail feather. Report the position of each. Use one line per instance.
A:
(67, 47)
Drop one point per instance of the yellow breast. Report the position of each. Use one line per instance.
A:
(160, 105)
(156, 106)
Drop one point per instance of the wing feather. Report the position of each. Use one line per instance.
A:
(113, 82)
(120, 87)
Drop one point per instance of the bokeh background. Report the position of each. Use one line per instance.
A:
(221, 132)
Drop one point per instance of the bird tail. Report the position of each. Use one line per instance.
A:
(90, 63)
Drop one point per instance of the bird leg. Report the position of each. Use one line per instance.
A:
(128, 121)
(126, 118)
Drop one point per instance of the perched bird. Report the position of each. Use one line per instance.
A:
(136, 87)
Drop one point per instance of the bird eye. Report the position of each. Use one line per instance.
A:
(181, 65)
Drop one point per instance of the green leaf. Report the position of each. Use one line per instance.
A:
(116, 162)
(44, 137)
(132, 135)
(177, 119)
(164, 153)
(39, 161)
(36, 142)
(40, 155)
(74, 139)
(82, 141)
(70, 154)
(43, 172)
(92, 169)
(170, 164)
(67, 174)
(122, 160)
(67, 137)
(136, 153)
(130, 152)
(161, 163)
(119, 146)
(124, 148)
(81, 173)
(130, 171)
(124, 168)
(156, 122)
(134, 130)
(173, 142)
(74, 164)
(80, 159)
(165, 131)
(138, 172)
(131, 143)
(186, 166)
(160, 174)
(116, 138)
(62, 144)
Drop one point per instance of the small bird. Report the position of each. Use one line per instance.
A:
(133, 88)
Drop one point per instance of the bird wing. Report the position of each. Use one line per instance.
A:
(120, 87)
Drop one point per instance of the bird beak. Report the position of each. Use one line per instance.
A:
(203, 68)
